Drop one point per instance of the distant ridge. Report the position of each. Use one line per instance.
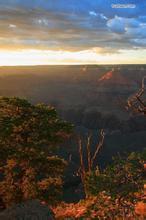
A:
(106, 76)
(114, 77)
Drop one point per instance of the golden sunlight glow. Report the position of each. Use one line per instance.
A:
(48, 57)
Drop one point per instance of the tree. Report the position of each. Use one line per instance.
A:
(29, 135)
(84, 171)
(138, 105)
(136, 102)
(121, 179)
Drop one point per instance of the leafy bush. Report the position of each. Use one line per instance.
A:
(121, 179)
(29, 135)
(113, 194)
(99, 207)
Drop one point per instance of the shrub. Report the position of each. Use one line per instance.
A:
(29, 135)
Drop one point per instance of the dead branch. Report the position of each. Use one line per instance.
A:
(135, 102)
(82, 167)
(89, 152)
(99, 145)
(84, 171)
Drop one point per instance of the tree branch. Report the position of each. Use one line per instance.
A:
(99, 145)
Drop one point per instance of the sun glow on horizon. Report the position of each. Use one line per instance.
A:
(50, 57)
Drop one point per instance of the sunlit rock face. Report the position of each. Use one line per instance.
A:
(31, 210)
(106, 76)
(106, 87)
(116, 78)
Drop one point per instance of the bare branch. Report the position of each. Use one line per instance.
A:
(99, 145)
(83, 171)
(89, 152)
(135, 101)
(82, 167)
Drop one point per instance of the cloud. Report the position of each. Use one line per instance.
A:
(116, 25)
(74, 26)
(12, 26)
(137, 33)
(103, 17)
(139, 42)
(130, 31)
(39, 28)
(120, 24)
(92, 13)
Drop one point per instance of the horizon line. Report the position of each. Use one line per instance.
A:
(86, 64)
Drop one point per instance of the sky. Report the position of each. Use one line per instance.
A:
(41, 32)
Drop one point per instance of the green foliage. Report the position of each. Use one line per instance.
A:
(29, 135)
(97, 207)
(112, 194)
(122, 179)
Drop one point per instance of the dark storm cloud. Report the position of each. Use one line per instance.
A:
(72, 25)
